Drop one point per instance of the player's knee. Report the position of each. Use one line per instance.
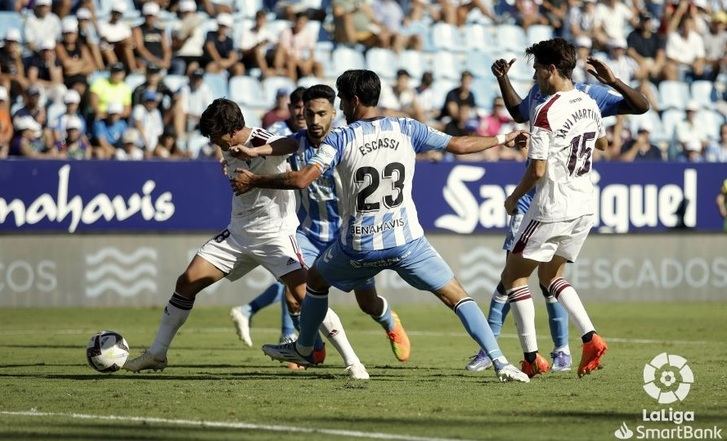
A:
(316, 282)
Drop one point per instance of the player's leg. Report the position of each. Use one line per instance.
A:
(558, 323)
(242, 315)
(423, 268)
(594, 347)
(378, 308)
(287, 328)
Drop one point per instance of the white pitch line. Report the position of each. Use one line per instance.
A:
(640, 341)
(231, 425)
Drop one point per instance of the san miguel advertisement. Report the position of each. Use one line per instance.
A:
(451, 197)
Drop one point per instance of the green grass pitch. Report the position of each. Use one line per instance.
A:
(48, 392)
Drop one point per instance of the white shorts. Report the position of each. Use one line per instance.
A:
(540, 241)
(236, 256)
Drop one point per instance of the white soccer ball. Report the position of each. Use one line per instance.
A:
(107, 351)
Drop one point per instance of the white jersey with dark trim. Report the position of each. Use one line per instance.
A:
(262, 212)
(563, 133)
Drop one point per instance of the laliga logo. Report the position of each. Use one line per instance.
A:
(668, 378)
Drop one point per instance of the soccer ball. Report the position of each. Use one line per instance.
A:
(107, 351)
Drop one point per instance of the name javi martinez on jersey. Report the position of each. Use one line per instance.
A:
(577, 116)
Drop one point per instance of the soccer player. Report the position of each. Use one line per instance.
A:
(261, 232)
(375, 157)
(628, 101)
(564, 131)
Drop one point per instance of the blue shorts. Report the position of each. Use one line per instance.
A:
(416, 262)
(512, 227)
(310, 249)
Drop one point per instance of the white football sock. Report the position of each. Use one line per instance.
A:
(332, 329)
(568, 297)
(523, 309)
(173, 317)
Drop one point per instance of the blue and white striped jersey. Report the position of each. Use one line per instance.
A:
(375, 159)
(318, 211)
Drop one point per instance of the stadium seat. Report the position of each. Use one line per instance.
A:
(413, 61)
(217, 82)
(511, 38)
(670, 119)
(8, 20)
(521, 70)
(703, 93)
(480, 64)
(440, 89)
(477, 37)
(650, 119)
(239, 31)
(248, 8)
(133, 80)
(276, 27)
(445, 66)
(175, 82)
(711, 121)
(538, 33)
(445, 37)
(673, 95)
(195, 142)
(247, 91)
(344, 58)
(271, 86)
(252, 117)
(382, 61)
(485, 90)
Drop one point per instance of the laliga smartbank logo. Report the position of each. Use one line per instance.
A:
(667, 379)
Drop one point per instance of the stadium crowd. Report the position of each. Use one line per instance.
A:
(129, 79)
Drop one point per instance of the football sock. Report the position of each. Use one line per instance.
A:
(557, 320)
(498, 310)
(587, 337)
(476, 325)
(332, 328)
(274, 293)
(568, 297)
(523, 309)
(312, 312)
(295, 319)
(385, 319)
(173, 317)
(286, 327)
(530, 356)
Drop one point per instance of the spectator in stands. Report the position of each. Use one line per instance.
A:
(195, 98)
(691, 151)
(107, 132)
(258, 46)
(220, 53)
(405, 97)
(6, 124)
(111, 89)
(75, 57)
(528, 13)
(74, 144)
(455, 12)
(167, 146)
(462, 123)
(215, 7)
(715, 42)
(717, 150)
(188, 38)
(425, 98)
(611, 21)
(72, 100)
(116, 41)
(356, 22)
(623, 66)
(296, 115)
(555, 12)
(28, 139)
(391, 16)
(129, 150)
(296, 50)
(459, 96)
(583, 52)
(692, 135)
(150, 41)
(45, 71)
(581, 18)
(88, 35)
(284, 107)
(684, 52)
(33, 107)
(42, 25)
(641, 148)
(153, 82)
(496, 121)
(646, 47)
(147, 119)
(12, 68)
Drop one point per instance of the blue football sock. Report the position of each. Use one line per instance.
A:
(385, 319)
(286, 327)
(274, 293)
(476, 325)
(295, 319)
(312, 312)
(557, 319)
(499, 307)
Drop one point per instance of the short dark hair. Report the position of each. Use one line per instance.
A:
(319, 91)
(220, 118)
(297, 95)
(364, 84)
(557, 52)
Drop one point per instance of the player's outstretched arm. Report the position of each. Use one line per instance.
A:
(536, 170)
(279, 147)
(244, 179)
(634, 101)
(462, 145)
(512, 100)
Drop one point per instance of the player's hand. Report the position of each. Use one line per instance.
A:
(511, 205)
(517, 139)
(500, 67)
(243, 152)
(242, 181)
(601, 71)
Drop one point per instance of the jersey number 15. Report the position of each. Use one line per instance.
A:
(580, 148)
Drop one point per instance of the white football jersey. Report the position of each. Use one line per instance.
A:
(262, 212)
(375, 159)
(564, 132)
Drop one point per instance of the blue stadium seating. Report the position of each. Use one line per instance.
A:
(670, 119)
(271, 86)
(445, 66)
(703, 93)
(673, 95)
(345, 58)
(511, 38)
(175, 82)
(383, 61)
(8, 20)
(247, 91)
(217, 82)
(538, 33)
(413, 62)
